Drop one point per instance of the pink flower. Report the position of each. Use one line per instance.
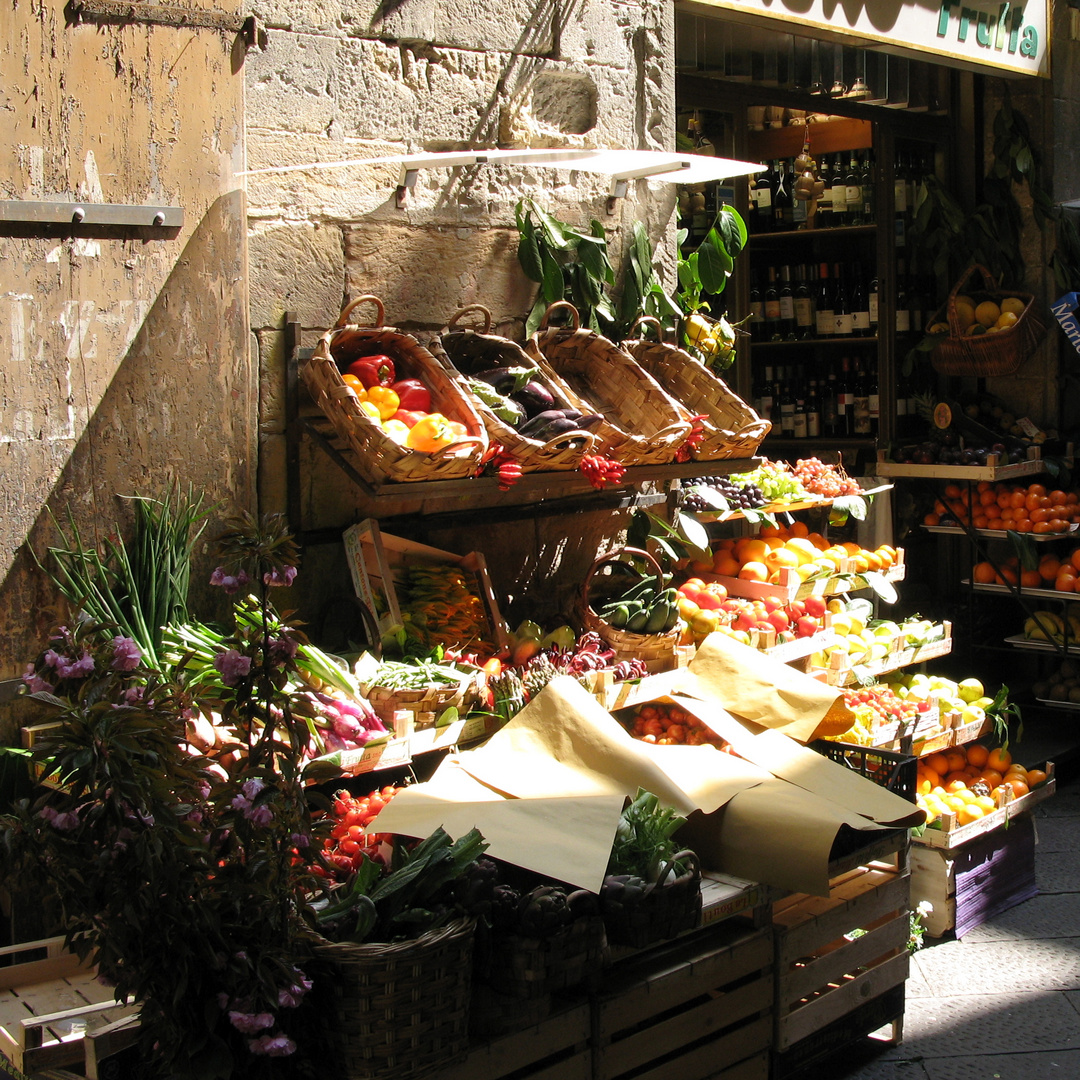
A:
(229, 582)
(272, 1045)
(233, 666)
(126, 654)
(34, 682)
(251, 1023)
(279, 576)
(64, 821)
(74, 669)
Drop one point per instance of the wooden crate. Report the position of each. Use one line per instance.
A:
(48, 1001)
(377, 562)
(970, 884)
(823, 973)
(698, 1007)
(557, 1048)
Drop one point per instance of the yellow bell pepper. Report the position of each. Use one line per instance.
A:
(431, 433)
(384, 399)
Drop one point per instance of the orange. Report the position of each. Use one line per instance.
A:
(782, 558)
(1019, 786)
(999, 760)
(956, 758)
(995, 523)
(754, 571)
(799, 529)
(1074, 559)
(1004, 499)
(750, 549)
(1036, 489)
(1041, 527)
(992, 778)
(1017, 498)
(1037, 516)
(725, 565)
(977, 755)
(1049, 566)
(1015, 769)
(956, 783)
(1065, 583)
(1058, 525)
(1023, 525)
(1056, 496)
(1035, 777)
(1008, 514)
(939, 763)
(1031, 579)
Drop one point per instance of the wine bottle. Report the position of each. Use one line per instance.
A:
(787, 410)
(761, 194)
(804, 306)
(853, 191)
(845, 400)
(757, 309)
(861, 404)
(903, 310)
(839, 193)
(787, 305)
(860, 308)
(823, 303)
(782, 198)
(772, 308)
(823, 218)
(829, 402)
(900, 207)
(842, 321)
(874, 400)
(866, 179)
(813, 411)
(872, 298)
(764, 403)
(799, 416)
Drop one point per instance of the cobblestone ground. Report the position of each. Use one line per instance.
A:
(1003, 1003)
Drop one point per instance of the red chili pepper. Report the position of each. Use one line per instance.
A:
(600, 470)
(413, 394)
(373, 370)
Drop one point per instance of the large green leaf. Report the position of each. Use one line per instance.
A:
(556, 233)
(529, 250)
(536, 315)
(732, 229)
(714, 263)
(553, 286)
(593, 258)
(697, 536)
(642, 255)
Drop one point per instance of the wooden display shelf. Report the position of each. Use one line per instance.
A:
(840, 133)
(845, 342)
(1011, 590)
(1000, 534)
(992, 470)
(895, 660)
(822, 974)
(774, 508)
(1018, 641)
(950, 835)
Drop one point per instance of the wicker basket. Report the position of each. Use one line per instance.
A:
(378, 457)
(530, 968)
(423, 704)
(401, 1010)
(642, 425)
(656, 650)
(732, 428)
(663, 912)
(465, 352)
(984, 355)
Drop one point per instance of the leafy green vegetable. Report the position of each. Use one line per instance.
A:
(643, 840)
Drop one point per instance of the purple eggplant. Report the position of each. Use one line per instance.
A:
(534, 397)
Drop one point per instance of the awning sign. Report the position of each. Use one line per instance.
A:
(1064, 309)
(995, 36)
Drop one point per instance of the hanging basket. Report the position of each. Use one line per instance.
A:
(732, 429)
(663, 911)
(985, 355)
(464, 352)
(378, 457)
(656, 650)
(401, 1010)
(642, 424)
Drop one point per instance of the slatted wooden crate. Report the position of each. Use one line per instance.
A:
(555, 1049)
(47, 1003)
(698, 1007)
(822, 971)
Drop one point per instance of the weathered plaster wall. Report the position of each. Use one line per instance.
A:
(342, 83)
(123, 361)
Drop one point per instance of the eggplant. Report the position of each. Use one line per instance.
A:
(504, 379)
(586, 422)
(540, 420)
(535, 397)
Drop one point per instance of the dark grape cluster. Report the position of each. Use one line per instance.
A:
(739, 497)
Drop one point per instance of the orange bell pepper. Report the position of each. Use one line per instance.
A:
(431, 433)
(384, 399)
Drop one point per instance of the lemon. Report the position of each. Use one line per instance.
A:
(1013, 305)
(987, 313)
(965, 313)
(1005, 320)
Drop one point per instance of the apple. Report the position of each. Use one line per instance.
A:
(779, 620)
(970, 690)
(814, 605)
(806, 626)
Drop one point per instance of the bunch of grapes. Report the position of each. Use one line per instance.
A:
(828, 481)
(738, 496)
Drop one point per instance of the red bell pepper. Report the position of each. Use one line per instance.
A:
(413, 394)
(408, 416)
(373, 370)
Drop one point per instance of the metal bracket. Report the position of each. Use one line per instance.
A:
(85, 213)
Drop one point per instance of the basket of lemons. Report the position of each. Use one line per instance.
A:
(984, 332)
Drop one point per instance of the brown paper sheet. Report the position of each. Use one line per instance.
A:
(774, 833)
(809, 770)
(752, 685)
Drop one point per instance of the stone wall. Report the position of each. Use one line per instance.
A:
(343, 83)
(123, 358)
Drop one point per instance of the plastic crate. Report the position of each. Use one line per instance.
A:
(896, 772)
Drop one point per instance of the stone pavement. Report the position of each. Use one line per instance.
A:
(1003, 1003)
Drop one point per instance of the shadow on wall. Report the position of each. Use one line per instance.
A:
(182, 405)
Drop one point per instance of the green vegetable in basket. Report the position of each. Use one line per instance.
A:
(643, 844)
